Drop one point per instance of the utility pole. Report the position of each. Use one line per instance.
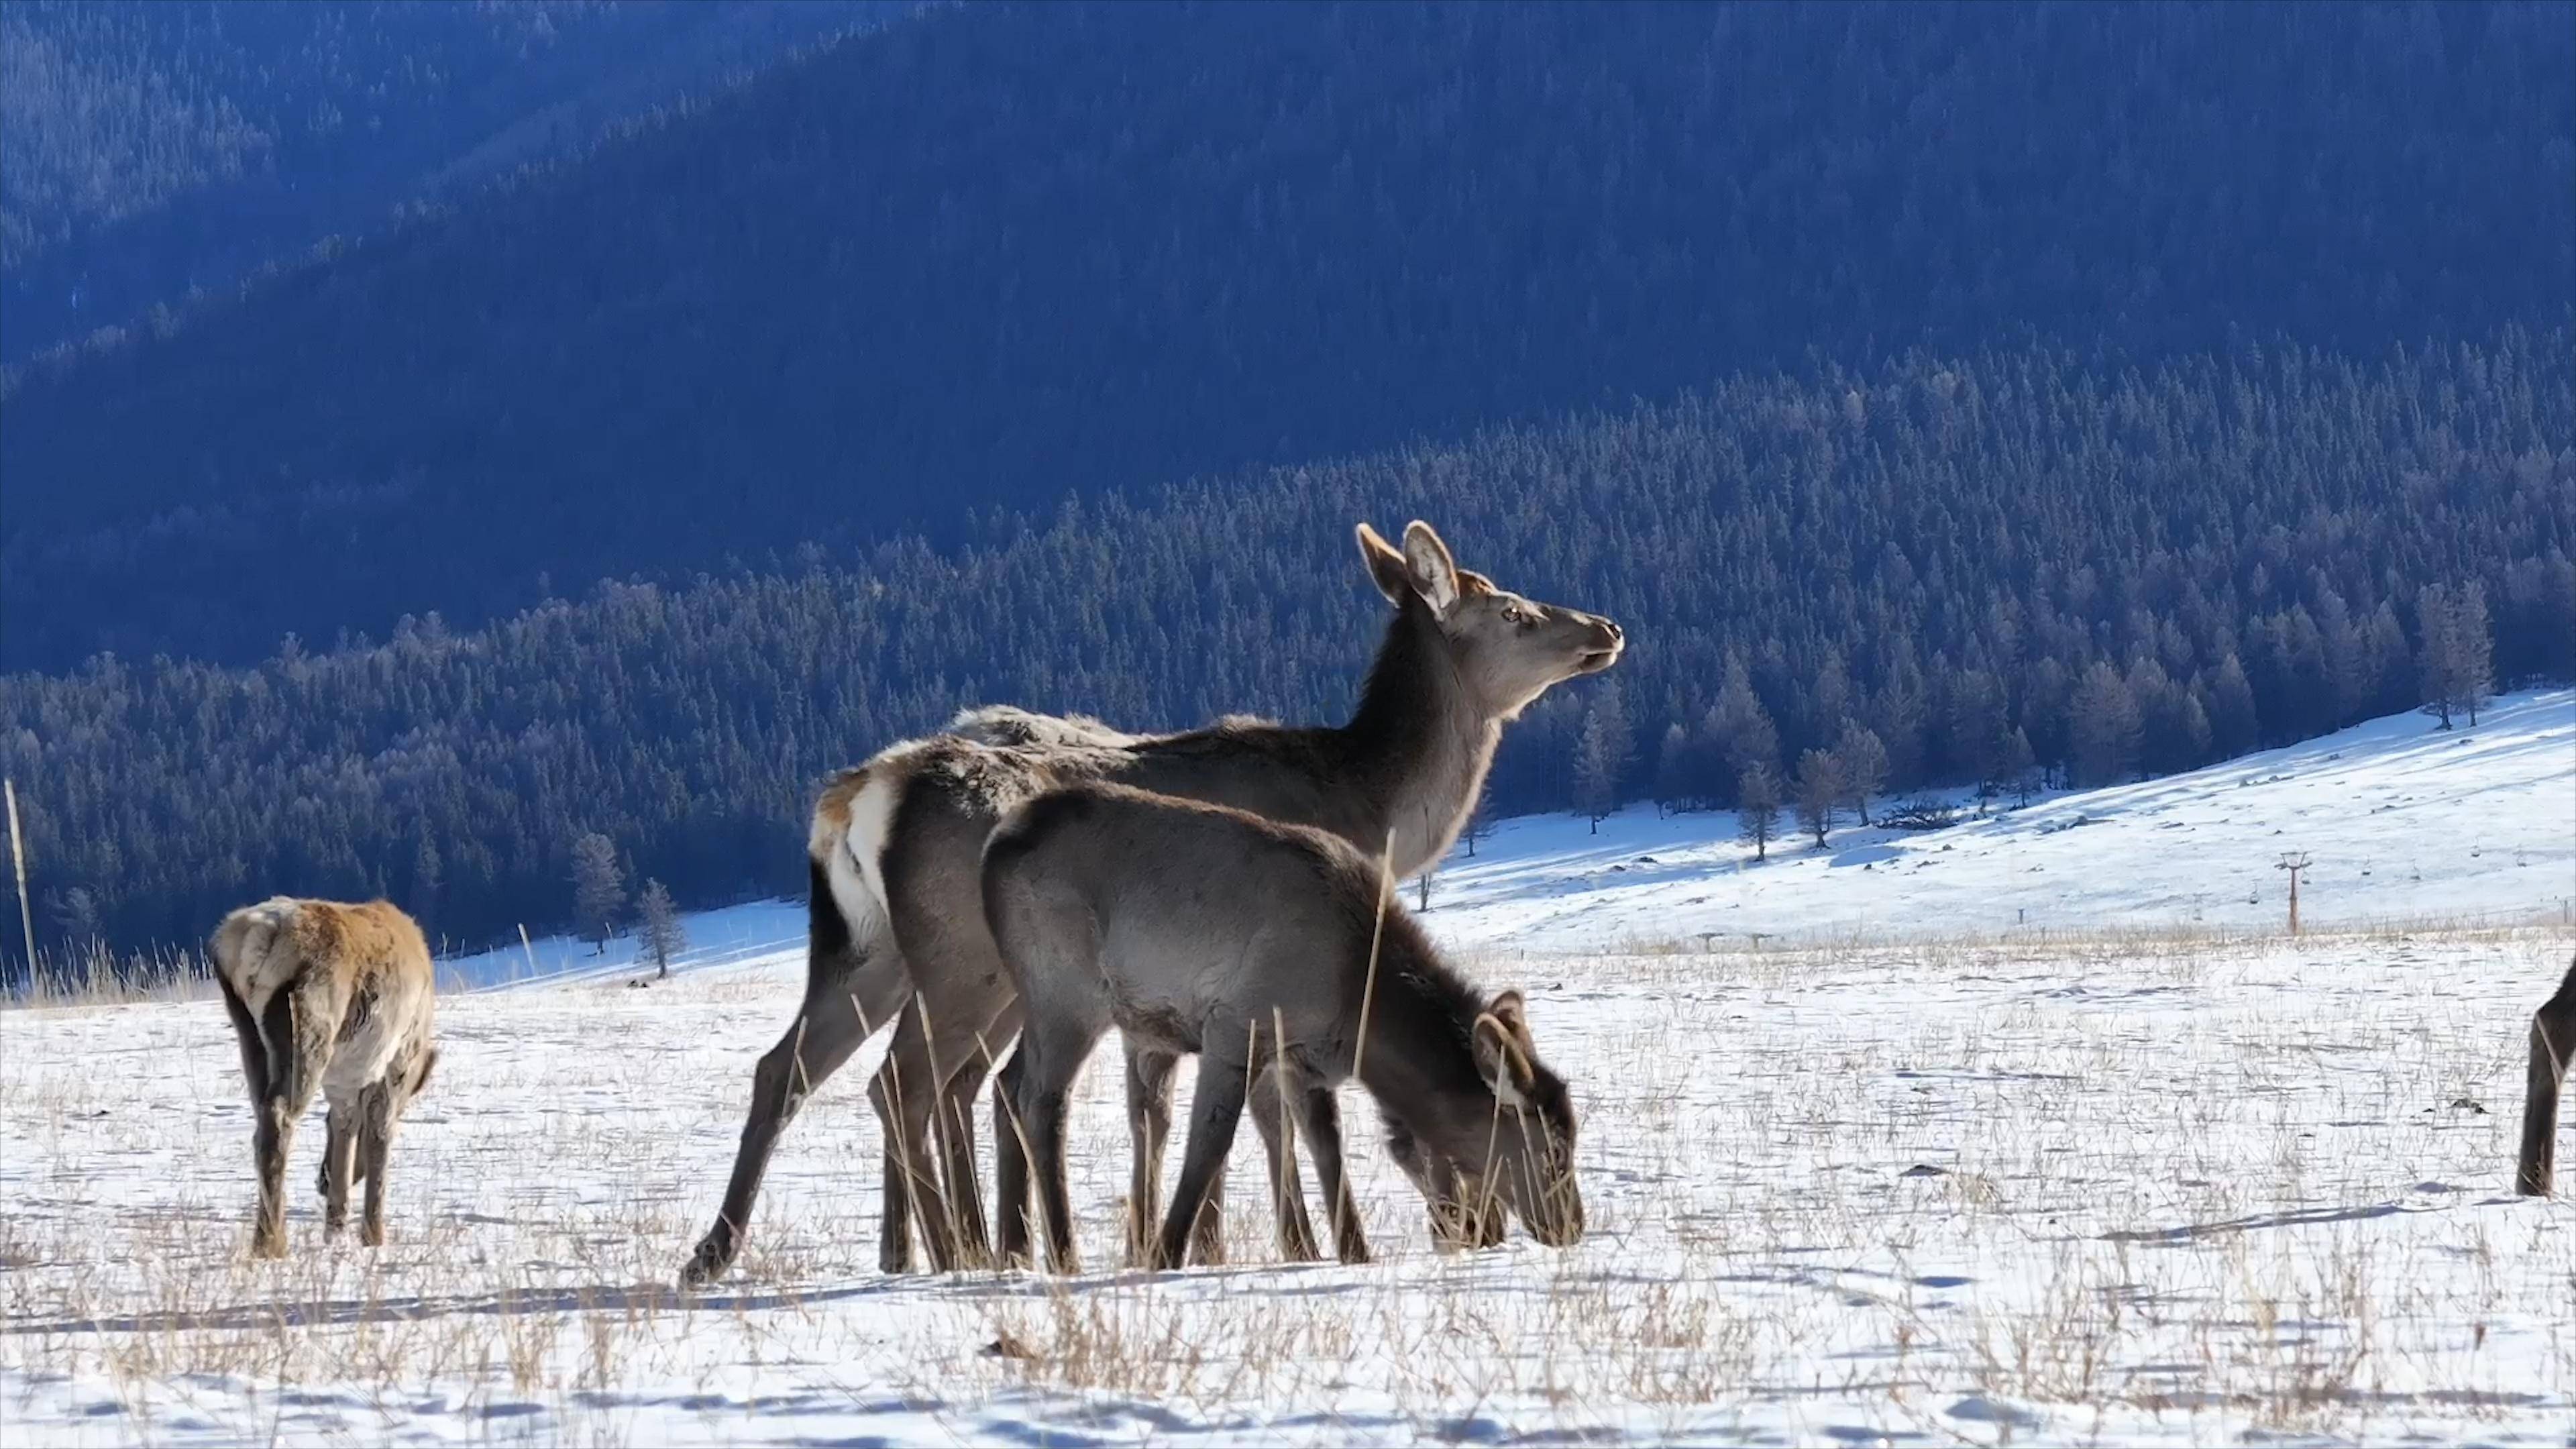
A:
(18, 854)
(2293, 862)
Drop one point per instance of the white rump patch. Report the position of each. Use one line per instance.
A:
(853, 864)
(258, 969)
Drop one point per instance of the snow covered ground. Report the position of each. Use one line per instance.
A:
(2047, 1139)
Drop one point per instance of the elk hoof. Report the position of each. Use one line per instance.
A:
(713, 1257)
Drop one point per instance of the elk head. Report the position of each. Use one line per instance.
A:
(1506, 649)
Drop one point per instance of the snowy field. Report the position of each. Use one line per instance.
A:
(2048, 1140)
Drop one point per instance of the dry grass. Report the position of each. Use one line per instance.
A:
(2176, 1185)
(97, 976)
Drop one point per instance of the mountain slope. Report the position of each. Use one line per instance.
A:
(154, 149)
(1962, 556)
(1004, 252)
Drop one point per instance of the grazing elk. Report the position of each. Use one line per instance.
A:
(336, 997)
(897, 844)
(2553, 1046)
(1272, 951)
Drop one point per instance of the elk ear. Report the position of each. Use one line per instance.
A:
(1434, 574)
(1385, 565)
(1503, 1056)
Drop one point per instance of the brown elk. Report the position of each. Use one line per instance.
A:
(2553, 1046)
(896, 848)
(1273, 952)
(331, 997)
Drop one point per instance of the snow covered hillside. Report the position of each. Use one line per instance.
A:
(1967, 1180)
(2403, 822)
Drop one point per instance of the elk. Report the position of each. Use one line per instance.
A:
(1271, 951)
(895, 851)
(336, 997)
(2553, 1046)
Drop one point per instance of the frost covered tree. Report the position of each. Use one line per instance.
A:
(76, 916)
(1757, 808)
(598, 888)
(2456, 657)
(663, 935)
(2173, 729)
(1601, 755)
(1480, 821)
(1864, 764)
(2022, 767)
(1819, 790)
(1739, 726)
(1672, 769)
(2233, 726)
(428, 873)
(2103, 723)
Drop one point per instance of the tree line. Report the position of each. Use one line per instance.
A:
(1945, 569)
(1002, 252)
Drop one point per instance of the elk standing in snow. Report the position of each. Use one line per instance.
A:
(1272, 952)
(896, 849)
(329, 996)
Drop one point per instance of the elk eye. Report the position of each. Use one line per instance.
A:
(1512, 614)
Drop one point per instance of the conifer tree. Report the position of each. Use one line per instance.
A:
(663, 937)
(1757, 808)
(1820, 790)
(599, 888)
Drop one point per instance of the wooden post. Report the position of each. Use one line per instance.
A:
(2293, 862)
(18, 854)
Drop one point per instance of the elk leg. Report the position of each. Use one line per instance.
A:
(895, 1181)
(375, 1140)
(1010, 1165)
(1149, 1127)
(270, 1139)
(972, 1067)
(2553, 1046)
(841, 1008)
(1207, 1241)
(931, 1136)
(1324, 1140)
(1279, 1150)
(1054, 1053)
(1216, 1109)
(265, 1243)
(285, 1095)
(942, 1049)
(254, 1056)
(961, 1180)
(339, 1156)
(906, 1095)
